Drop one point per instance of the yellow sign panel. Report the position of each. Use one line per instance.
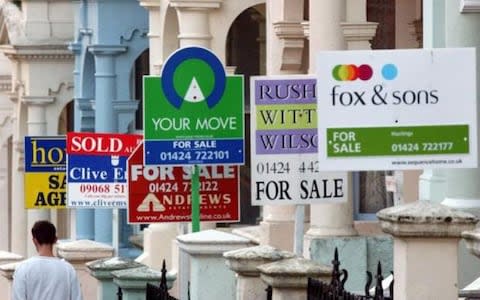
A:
(45, 190)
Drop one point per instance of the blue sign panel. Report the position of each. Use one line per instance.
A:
(184, 152)
(94, 168)
(45, 154)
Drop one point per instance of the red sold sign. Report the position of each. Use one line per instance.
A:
(163, 193)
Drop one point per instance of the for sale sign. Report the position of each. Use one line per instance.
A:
(45, 165)
(163, 193)
(97, 168)
(397, 109)
(285, 167)
(193, 113)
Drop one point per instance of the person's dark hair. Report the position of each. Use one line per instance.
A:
(44, 232)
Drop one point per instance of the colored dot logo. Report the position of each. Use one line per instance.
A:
(352, 72)
(389, 71)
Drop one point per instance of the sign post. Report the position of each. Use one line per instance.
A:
(193, 114)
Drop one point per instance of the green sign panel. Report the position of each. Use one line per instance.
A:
(393, 141)
(193, 113)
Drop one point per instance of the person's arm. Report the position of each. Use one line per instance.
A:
(19, 288)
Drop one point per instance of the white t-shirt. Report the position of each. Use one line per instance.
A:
(45, 278)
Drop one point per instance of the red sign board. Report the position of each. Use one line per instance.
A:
(103, 144)
(158, 194)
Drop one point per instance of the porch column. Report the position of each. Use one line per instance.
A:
(326, 32)
(36, 126)
(105, 93)
(462, 189)
(285, 50)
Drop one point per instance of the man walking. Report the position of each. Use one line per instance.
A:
(45, 277)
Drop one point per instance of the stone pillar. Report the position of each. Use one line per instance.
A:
(78, 253)
(37, 126)
(426, 236)
(102, 270)
(8, 262)
(289, 277)
(105, 93)
(245, 261)
(202, 264)
(133, 282)
(6, 271)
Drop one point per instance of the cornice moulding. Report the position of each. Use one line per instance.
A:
(37, 52)
(470, 6)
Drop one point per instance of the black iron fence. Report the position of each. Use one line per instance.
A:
(159, 292)
(335, 290)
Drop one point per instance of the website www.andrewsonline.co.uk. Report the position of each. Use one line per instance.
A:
(427, 162)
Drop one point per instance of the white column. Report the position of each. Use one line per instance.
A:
(36, 126)
(284, 48)
(4, 204)
(327, 33)
(194, 25)
(154, 35)
(19, 231)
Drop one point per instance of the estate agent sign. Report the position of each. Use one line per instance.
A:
(97, 169)
(285, 166)
(163, 193)
(193, 113)
(397, 109)
(45, 165)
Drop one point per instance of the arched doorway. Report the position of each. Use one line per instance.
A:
(244, 51)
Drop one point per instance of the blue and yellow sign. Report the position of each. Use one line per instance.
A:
(45, 172)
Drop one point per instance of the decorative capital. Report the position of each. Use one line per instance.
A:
(128, 106)
(306, 29)
(107, 50)
(359, 31)
(38, 100)
(150, 4)
(199, 4)
(76, 48)
(84, 104)
(292, 37)
(469, 6)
